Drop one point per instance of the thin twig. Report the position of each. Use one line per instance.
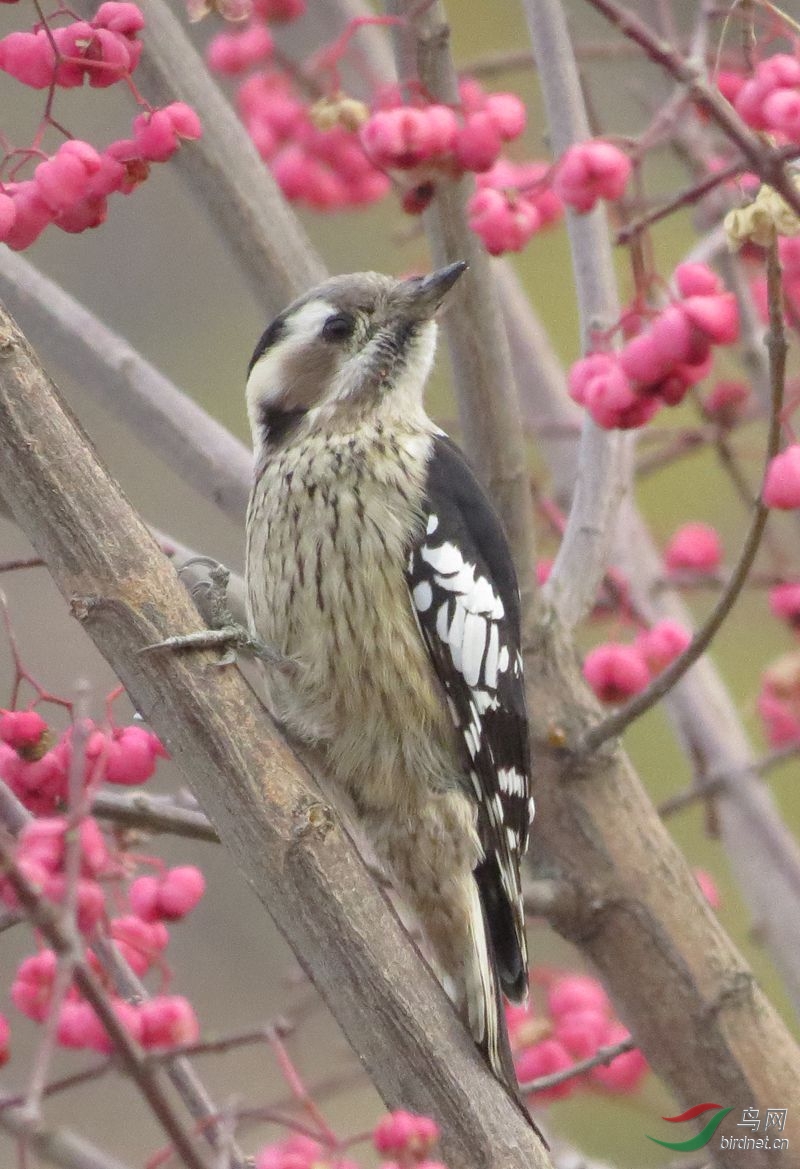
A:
(767, 162)
(154, 814)
(603, 1056)
(55, 1146)
(715, 784)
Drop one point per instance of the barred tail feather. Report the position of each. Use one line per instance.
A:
(484, 999)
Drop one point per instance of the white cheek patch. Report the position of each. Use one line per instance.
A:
(266, 382)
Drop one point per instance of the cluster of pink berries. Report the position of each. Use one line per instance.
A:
(576, 1022)
(770, 99)
(616, 670)
(433, 138)
(313, 152)
(403, 1136)
(70, 188)
(658, 365)
(35, 764)
(515, 201)
(165, 1020)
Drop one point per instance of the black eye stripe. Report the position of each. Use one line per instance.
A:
(339, 327)
(271, 335)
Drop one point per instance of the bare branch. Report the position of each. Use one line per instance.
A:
(54, 1146)
(154, 814)
(278, 828)
(201, 451)
(604, 461)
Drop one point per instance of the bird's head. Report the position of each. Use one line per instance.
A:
(347, 347)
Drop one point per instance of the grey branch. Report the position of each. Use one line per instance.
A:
(201, 451)
(286, 839)
(54, 1146)
(604, 462)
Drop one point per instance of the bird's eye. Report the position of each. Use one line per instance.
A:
(339, 327)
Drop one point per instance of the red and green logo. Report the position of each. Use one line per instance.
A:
(705, 1134)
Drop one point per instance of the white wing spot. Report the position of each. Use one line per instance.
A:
(446, 558)
(512, 838)
(455, 636)
(511, 781)
(496, 810)
(474, 645)
(484, 701)
(423, 596)
(433, 524)
(441, 622)
(531, 809)
(502, 661)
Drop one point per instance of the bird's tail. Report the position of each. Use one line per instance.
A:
(484, 998)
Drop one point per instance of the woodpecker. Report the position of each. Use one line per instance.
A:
(376, 563)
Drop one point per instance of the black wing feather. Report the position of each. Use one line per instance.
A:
(464, 589)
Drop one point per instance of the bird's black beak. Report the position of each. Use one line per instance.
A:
(426, 293)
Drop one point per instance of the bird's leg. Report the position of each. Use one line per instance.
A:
(210, 594)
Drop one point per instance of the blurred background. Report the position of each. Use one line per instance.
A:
(158, 274)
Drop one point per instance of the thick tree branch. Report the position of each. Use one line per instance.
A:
(280, 831)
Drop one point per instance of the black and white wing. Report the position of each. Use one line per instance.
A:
(465, 595)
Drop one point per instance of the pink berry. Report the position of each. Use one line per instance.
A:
(543, 1059)
(615, 671)
(504, 224)
(717, 317)
(21, 729)
(143, 898)
(784, 602)
(576, 992)
(478, 142)
(696, 547)
(179, 891)
(405, 1133)
(33, 985)
(167, 1021)
(625, 1073)
(132, 755)
(28, 57)
(124, 18)
(662, 643)
(697, 280)
(232, 53)
(581, 1032)
(708, 887)
(140, 942)
(782, 483)
(507, 114)
(590, 171)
